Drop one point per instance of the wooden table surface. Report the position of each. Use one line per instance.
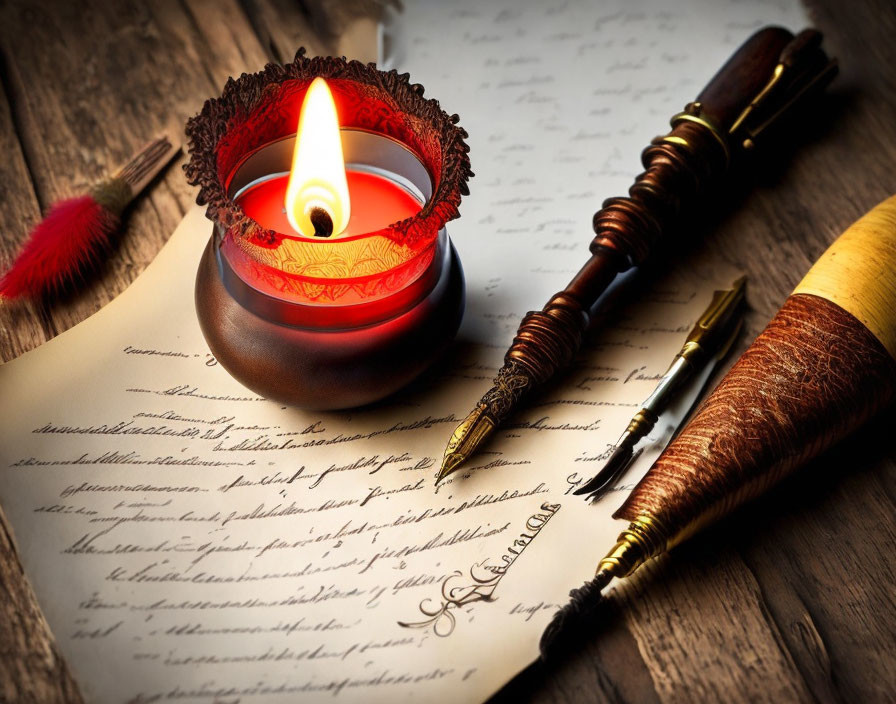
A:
(792, 599)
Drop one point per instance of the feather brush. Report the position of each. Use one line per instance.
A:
(64, 246)
(823, 366)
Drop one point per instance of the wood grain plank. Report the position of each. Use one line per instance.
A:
(703, 634)
(792, 599)
(91, 86)
(229, 44)
(608, 668)
(88, 92)
(31, 666)
(21, 327)
(824, 561)
(282, 27)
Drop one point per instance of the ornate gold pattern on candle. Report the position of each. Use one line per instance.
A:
(356, 262)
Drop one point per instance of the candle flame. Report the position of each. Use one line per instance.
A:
(317, 179)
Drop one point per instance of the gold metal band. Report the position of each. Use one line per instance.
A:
(644, 538)
(693, 116)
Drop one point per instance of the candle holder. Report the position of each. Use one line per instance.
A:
(328, 323)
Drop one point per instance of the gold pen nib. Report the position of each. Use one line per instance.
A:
(467, 437)
(450, 462)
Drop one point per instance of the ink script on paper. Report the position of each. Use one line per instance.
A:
(189, 541)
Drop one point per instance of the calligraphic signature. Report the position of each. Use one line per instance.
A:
(484, 577)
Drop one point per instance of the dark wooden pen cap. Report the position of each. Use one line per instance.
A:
(743, 76)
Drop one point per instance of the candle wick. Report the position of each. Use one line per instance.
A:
(322, 222)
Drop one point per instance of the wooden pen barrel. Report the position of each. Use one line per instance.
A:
(681, 169)
(825, 364)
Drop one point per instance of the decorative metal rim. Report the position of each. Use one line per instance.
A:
(245, 94)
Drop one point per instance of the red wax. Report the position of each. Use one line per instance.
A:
(362, 265)
(376, 202)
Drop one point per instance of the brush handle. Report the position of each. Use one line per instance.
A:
(119, 190)
(824, 365)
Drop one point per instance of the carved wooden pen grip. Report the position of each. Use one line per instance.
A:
(769, 74)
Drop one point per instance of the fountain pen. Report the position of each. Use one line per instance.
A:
(712, 335)
(764, 81)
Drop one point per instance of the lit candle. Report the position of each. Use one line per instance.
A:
(317, 198)
(377, 202)
(349, 200)
(330, 280)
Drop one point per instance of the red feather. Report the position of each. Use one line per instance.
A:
(63, 247)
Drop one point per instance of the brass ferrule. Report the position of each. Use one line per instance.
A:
(693, 112)
(643, 539)
(715, 322)
(691, 352)
(641, 424)
(114, 194)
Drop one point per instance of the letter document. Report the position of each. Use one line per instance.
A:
(190, 541)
